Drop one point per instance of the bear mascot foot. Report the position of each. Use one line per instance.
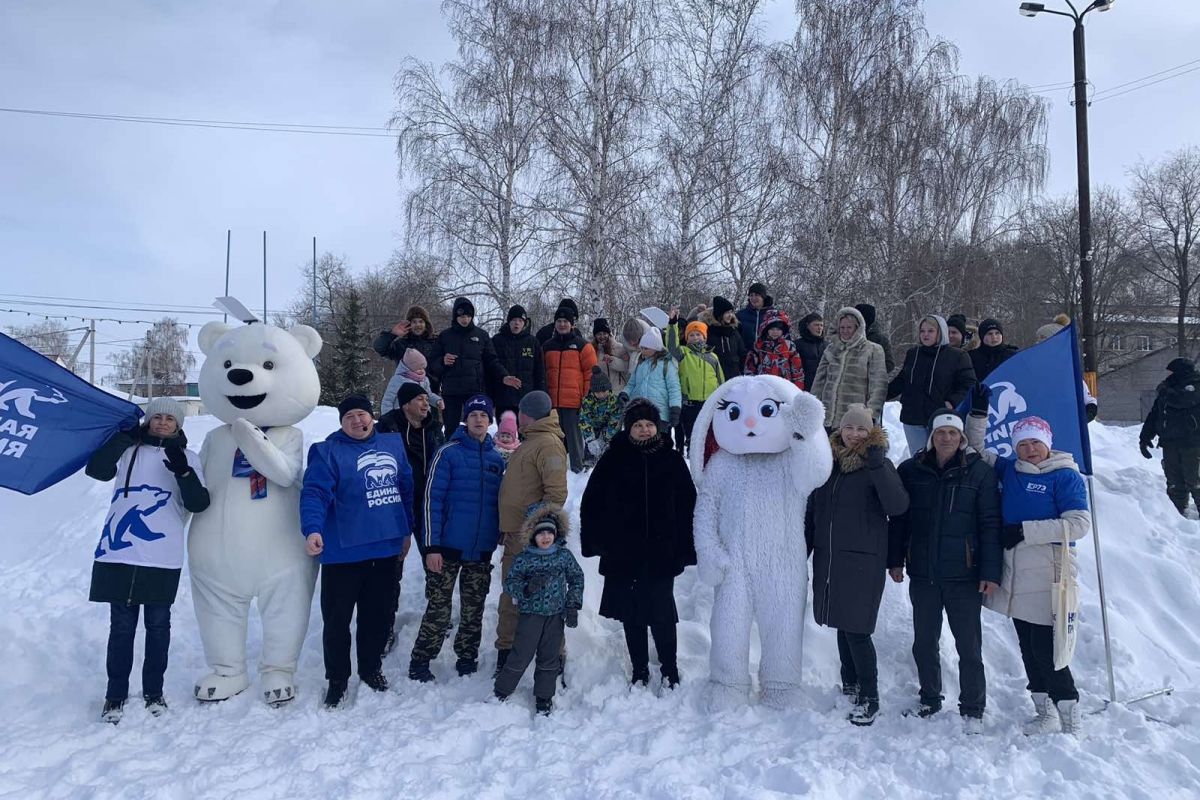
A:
(213, 688)
(782, 698)
(722, 697)
(278, 688)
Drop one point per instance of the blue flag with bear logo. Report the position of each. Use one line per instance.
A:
(51, 420)
(1045, 380)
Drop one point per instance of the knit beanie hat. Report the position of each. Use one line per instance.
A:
(508, 423)
(414, 360)
(567, 302)
(719, 306)
(859, 415)
(1178, 366)
(1051, 328)
(1032, 428)
(868, 312)
(600, 325)
(652, 340)
(600, 381)
(535, 405)
(479, 402)
(640, 409)
(959, 323)
(759, 289)
(695, 325)
(989, 325)
(355, 402)
(408, 392)
(462, 306)
(567, 312)
(167, 406)
(516, 312)
(945, 419)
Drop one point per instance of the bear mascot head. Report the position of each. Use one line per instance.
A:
(259, 373)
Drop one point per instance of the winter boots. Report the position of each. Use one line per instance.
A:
(419, 671)
(501, 660)
(113, 711)
(972, 726)
(866, 709)
(156, 705)
(335, 694)
(1070, 716)
(641, 678)
(466, 666)
(377, 681)
(544, 705)
(1046, 720)
(924, 710)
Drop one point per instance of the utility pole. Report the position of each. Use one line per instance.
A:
(314, 284)
(228, 241)
(264, 319)
(1088, 332)
(92, 352)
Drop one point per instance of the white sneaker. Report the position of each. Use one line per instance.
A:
(1046, 720)
(1070, 715)
(972, 726)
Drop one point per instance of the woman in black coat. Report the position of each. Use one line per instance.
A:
(992, 351)
(636, 515)
(416, 331)
(934, 377)
(847, 532)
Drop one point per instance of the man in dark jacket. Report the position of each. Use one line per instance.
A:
(992, 351)
(875, 334)
(758, 301)
(1175, 420)
(463, 359)
(521, 355)
(725, 338)
(413, 421)
(810, 344)
(950, 540)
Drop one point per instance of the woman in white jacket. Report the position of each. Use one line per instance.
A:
(1044, 502)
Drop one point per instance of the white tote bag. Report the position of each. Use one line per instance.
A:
(1064, 614)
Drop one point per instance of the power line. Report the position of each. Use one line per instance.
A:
(1145, 85)
(1151, 75)
(268, 127)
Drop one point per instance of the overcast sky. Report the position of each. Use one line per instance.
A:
(138, 213)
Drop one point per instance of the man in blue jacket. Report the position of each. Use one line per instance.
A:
(462, 528)
(356, 514)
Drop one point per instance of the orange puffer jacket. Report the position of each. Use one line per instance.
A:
(569, 362)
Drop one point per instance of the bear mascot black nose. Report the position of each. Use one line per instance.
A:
(240, 377)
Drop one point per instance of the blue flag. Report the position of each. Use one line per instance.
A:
(1045, 380)
(51, 420)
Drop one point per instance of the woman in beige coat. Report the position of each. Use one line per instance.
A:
(852, 370)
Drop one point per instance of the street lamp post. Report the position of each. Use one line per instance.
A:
(1088, 329)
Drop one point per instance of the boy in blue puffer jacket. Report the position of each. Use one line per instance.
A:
(547, 584)
(462, 527)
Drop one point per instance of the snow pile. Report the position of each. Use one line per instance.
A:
(450, 739)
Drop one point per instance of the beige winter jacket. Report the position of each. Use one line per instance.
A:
(851, 372)
(1032, 567)
(618, 368)
(536, 472)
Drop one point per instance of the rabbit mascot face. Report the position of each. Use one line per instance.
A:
(765, 451)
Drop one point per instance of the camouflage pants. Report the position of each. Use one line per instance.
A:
(474, 580)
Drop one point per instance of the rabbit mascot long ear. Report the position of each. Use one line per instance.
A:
(764, 452)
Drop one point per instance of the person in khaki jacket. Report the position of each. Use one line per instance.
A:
(536, 473)
(852, 370)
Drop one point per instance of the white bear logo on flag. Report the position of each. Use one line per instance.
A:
(22, 398)
(380, 469)
(1006, 401)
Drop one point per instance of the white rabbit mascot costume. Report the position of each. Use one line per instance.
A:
(765, 452)
(260, 380)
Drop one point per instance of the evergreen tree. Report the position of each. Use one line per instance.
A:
(346, 372)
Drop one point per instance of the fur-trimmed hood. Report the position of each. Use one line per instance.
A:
(542, 511)
(850, 459)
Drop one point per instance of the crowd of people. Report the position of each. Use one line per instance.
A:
(965, 528)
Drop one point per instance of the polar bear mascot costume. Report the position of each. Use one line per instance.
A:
(765, 452)
(259, 380)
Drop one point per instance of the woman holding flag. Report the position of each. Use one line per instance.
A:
(1045, 506)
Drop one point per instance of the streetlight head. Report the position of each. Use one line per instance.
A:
(1104, 5)
(1032, 9)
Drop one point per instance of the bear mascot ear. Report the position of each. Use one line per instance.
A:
(811, 456)
(210, 333)
(308, 337)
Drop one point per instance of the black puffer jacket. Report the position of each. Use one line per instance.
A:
(1175, 416)
(984, 359)
(846, 526)
(420, 444)
(951, 531)
(636, 513)
(726, 343)
(931, 376)
(476, 364)
(389, 345)
(875, 334)
(810, 348)
(521, 355)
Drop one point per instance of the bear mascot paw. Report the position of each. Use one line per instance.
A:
(260, 381)
(765, 452)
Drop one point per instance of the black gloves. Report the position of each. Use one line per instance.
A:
(1090, 411)
(673, 416)
(876, 455)
(1145, 446)
(176, 459)
(535, 584)
(980, 393)
(572, 618)
(623, 399)
(1012, 535)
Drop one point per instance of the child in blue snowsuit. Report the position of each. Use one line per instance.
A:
(546, 583)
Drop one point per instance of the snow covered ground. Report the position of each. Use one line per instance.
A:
(451, 740)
